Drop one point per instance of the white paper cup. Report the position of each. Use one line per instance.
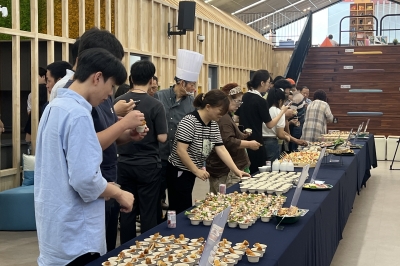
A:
(140, 129)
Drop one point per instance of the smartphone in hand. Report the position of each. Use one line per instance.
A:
(136, 103)
(289, 103)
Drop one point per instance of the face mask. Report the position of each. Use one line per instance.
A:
(190, 93)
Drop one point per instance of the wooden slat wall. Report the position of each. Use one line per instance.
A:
(235, 53)
(324, 69)
(141, 26)
(281, 58)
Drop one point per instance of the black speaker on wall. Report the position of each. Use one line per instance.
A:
(187, 10)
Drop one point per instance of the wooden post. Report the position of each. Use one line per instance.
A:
(108, 14)
(34, 73)
(121, 22)
(97, 11)
(130, 8)
(16, 95)
(65, 30)
(82, 18)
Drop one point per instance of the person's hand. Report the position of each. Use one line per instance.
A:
(284, 108)
(247, 132)
(301, 142)
(289, 113)
(254, 145)
(202, 174)
(112, 183)
(133, 119)
(125, 200)
(241, 173)
(136, 136)
(122, 108)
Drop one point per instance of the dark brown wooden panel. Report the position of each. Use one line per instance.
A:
(341, 50)
(367, 98)
(339, 67)
(324, 69)
(331, 86)
(377, 125)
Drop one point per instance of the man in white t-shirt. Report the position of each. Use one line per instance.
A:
(70, 73)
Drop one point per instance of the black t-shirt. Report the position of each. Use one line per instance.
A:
(146, 151)
(103, 117)
(253, 113)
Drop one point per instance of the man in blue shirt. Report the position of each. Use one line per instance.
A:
(69, 186)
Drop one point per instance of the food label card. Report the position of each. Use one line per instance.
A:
(366, 126)
(348, 138)
(214, 236)
(321, 156)
(300, 184)
(358, 133)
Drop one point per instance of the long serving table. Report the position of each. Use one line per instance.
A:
(314, 238)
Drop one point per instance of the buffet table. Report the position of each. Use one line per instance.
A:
(314, 238)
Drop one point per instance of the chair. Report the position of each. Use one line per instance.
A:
(17, 209)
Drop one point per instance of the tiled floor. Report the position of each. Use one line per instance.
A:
(371, 236)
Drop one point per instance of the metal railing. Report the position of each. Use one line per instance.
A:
(381, 24)
(300, 52)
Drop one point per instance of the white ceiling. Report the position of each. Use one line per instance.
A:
(265, 14)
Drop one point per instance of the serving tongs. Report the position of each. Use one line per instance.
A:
(278, 226)
(283, 154)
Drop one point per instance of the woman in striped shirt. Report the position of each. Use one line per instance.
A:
(196, 136)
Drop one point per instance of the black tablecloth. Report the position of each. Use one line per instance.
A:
(314, 238)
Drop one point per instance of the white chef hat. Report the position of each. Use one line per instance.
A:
(188, 65)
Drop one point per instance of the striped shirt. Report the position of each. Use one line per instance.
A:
(201, 139)
(317, 115)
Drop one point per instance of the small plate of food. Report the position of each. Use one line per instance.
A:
(315, 186)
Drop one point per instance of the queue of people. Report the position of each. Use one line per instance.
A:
(100, 160)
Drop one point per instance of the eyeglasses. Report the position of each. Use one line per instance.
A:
(191, 83)
(238, 102)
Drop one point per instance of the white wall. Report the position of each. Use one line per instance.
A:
(335, 14)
